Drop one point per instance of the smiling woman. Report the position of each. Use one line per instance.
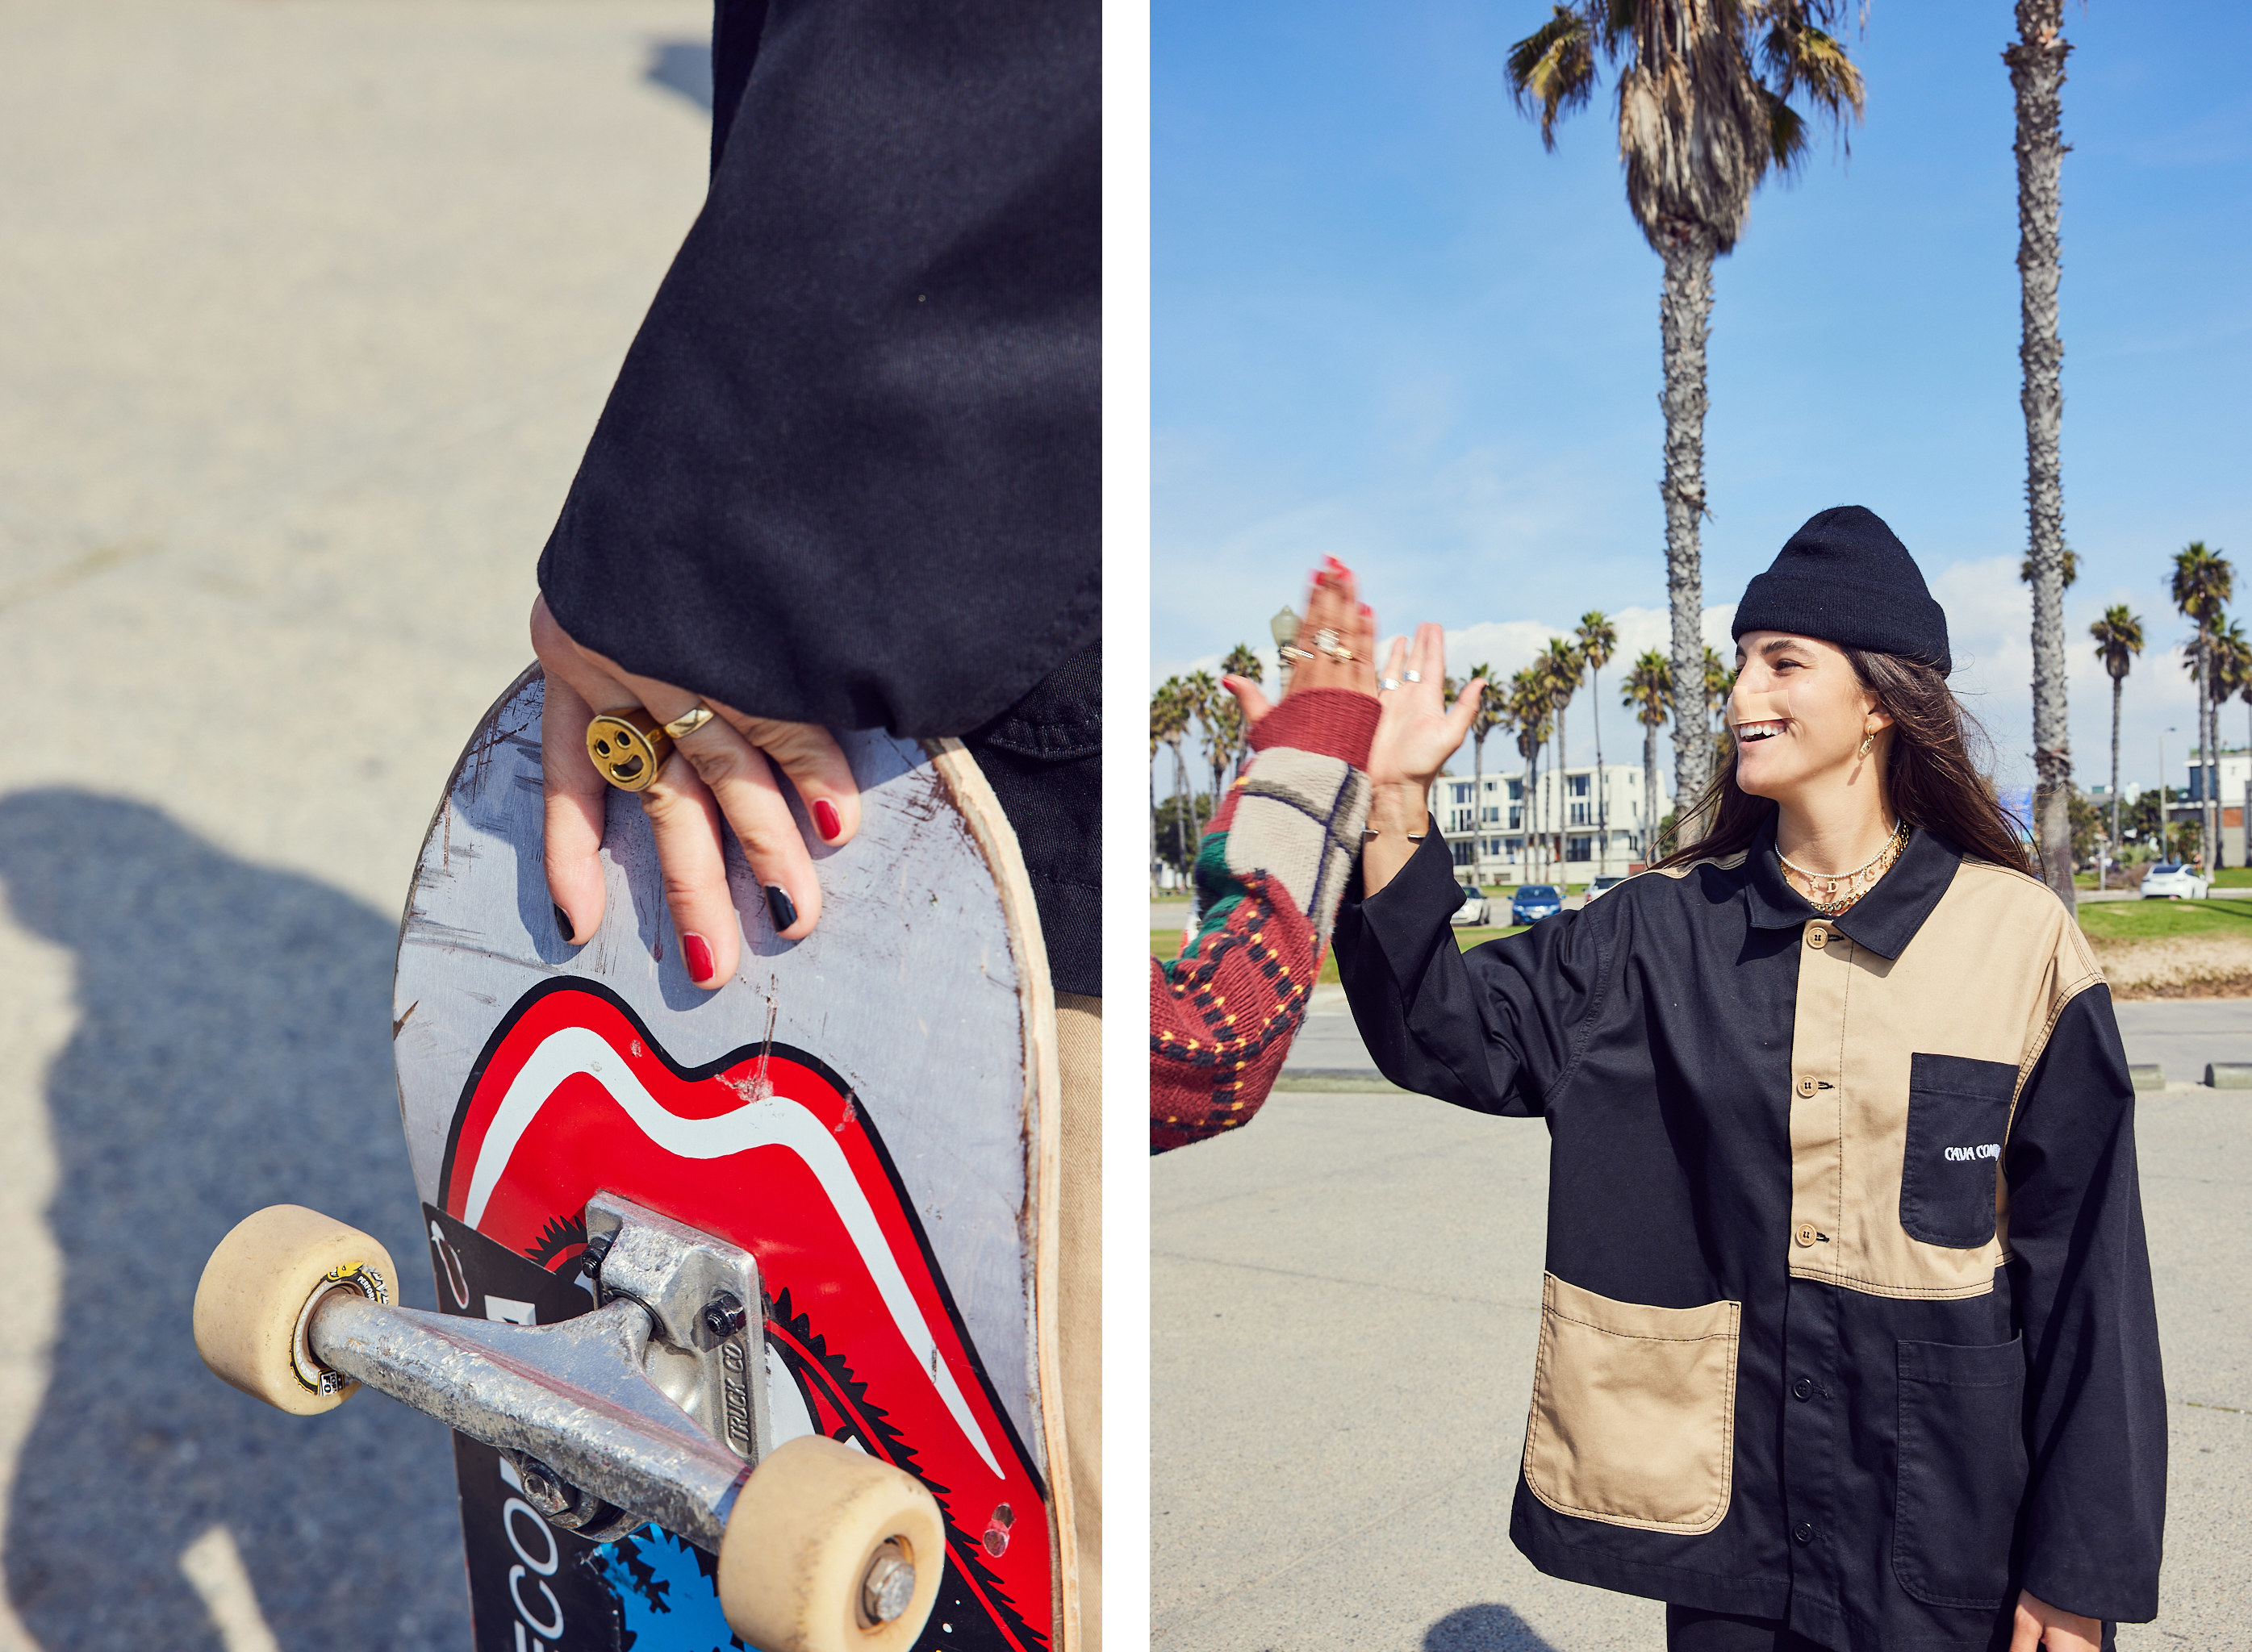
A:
(1847, 1339)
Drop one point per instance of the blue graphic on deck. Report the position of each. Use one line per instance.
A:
(666, 1601)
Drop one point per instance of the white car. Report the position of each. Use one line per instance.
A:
(1600, 886)
(1473, 910)
(2171, 881)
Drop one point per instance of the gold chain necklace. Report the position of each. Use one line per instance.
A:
(1856, 883)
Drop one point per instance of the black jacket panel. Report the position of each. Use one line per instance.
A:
(849, 472)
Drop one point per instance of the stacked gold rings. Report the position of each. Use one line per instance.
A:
(628, 747)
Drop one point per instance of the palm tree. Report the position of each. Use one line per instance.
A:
(1719, 681)
(1698, 127)
(2036, 61)
(2232, 672)
(1649, 693)
(1492, 713)
(1205, 699)
(2203, 581)
(1242, 662)
(2118, 639)
(1168, 725)
(1562, 668)
(1598, 641)
(1530, 709)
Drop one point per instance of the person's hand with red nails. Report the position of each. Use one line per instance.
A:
(725, 769)
(1415, 735)
(1332, 604)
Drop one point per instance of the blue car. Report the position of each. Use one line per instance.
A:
(1532, 902)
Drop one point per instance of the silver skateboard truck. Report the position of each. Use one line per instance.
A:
(652, 1408)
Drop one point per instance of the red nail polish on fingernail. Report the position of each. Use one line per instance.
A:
(1365, 611)
(826, 818)
(696, 952)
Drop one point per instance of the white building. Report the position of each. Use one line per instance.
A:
(1568, 812)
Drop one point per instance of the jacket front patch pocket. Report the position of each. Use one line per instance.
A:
(1961, 1471)
(1957, 1111)
(1634, 1411)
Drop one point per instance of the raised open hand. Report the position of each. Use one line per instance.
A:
(1416, 732)
(1333, 607)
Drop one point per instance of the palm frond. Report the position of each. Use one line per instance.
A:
(1551, 70)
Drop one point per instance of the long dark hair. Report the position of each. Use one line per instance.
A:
(1933, 775)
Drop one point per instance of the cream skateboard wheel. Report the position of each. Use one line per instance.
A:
(811, 1556)
(257, 1295)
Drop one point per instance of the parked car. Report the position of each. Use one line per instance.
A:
(1599, 885)
(1532, 902)
(1475, 908)
(2171, 880)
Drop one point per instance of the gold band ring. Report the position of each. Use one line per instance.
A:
(689, 721)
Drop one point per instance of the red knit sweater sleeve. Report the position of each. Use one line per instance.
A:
(1269, 871)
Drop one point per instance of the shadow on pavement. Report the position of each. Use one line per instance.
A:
(231, 1051)
(1486, 1628)
(683, 67)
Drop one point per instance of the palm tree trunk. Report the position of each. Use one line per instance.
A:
(1478, 808)
(1649, 793)
(1180, 807)
(2036, 63)
(1603, 812)
(1684, 314)
(2117, 684)
(1563, 809)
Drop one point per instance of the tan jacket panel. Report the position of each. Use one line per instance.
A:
(1986, 977)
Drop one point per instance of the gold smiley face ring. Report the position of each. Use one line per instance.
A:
(628, 747)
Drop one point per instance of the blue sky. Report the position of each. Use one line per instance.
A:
(1388, 325)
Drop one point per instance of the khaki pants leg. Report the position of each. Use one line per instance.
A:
(1079, 1335)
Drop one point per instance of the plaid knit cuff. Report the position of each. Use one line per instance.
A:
(1298, 815)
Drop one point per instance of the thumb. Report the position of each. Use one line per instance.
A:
(1465, 711)
(1255, 706)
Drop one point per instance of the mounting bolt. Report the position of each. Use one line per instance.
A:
(889, 1585)
(543, 1488)
(723, 1316)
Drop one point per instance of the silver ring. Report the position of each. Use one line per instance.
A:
(1386, 684)
(1414, 676)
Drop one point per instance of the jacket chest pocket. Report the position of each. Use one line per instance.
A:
(1958, 1110)
(1634, 1411)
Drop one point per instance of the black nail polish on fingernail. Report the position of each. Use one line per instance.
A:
(563, 923)
(780, 908)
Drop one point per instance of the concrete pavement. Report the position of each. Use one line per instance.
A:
(1344, 1304)
(310, 310)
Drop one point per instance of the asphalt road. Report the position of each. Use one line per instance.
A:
(310, 310)
(1344, 1302)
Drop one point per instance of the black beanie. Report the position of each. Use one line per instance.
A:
(1846, 578)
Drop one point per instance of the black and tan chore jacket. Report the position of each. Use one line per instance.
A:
(1848, 1315)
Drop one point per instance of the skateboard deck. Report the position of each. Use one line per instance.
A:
(871, 1112)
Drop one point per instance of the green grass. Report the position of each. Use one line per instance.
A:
(2165, 919)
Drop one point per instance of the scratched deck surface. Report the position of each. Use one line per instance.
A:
(904, 1007)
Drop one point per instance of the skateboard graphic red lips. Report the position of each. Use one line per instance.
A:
(766, 1148)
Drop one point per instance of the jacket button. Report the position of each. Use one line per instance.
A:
(1804, 1388)
(1805, 1235)
(1817, 936)
(1804, 1532)
(1806, 1085)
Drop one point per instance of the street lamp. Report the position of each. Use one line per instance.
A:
(1285, 628)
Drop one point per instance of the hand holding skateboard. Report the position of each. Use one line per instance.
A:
(726, 768)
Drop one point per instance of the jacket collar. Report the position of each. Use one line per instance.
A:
(1884, 919)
